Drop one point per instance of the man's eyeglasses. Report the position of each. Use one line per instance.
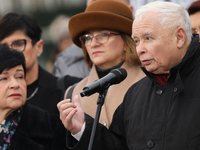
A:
(195, 31)
(100, 38)
(19, 45)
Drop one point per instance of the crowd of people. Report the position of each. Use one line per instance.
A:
(156, 106)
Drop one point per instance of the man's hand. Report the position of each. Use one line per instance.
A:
(71, 114)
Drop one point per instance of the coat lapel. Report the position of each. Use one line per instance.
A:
(114, 95)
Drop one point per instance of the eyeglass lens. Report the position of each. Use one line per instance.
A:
(19, 45)
(195, 31)
(100, 38)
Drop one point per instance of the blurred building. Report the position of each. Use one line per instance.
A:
(38, 5)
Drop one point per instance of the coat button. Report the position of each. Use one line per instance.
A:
(159, 92)
(104, 123)
(150, 144)
(175, 89)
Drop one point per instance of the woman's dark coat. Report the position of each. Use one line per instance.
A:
(39, 130)
(49, 94)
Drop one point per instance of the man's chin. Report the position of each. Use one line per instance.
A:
(150, 69)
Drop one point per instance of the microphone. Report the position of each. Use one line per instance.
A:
(114, 77)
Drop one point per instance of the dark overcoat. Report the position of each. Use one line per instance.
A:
(154, 116)
(39, 130)
(49, 94)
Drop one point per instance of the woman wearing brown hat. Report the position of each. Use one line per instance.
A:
(104, 33)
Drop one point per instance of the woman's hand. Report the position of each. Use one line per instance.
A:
(71, 114)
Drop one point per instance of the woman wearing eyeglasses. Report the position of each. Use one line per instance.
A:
(22, 32)
(104, 33)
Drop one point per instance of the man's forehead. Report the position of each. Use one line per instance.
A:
(141, 27)
(145, 25)
(150, 16)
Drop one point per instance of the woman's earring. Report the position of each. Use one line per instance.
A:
(38, 55)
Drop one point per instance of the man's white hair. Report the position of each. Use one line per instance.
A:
(171, 15)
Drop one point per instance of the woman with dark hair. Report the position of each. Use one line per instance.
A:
(22, 32)
(23, 126)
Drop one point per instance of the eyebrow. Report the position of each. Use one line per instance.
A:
(13, 41)
(4, 72)
(145, 34)
(18, 70)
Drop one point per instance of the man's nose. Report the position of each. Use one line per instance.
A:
(140, 49)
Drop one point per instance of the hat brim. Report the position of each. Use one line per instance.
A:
(82, 22)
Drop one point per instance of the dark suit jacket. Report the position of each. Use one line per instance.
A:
(49, 94)
(39, 130)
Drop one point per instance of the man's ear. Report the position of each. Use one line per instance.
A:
(181, 37)
(39, 45)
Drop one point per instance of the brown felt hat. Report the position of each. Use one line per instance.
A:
(101, 14)
(194, 7)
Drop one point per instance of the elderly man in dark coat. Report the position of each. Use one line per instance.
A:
(162, 110)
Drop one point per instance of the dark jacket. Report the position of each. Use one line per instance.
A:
(39, 130)
(154, 116)
(49, 94)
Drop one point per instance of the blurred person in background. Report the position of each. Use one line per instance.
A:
(60, 36)
(194, 12)
(22, 32)
(106, 45)
(23, 126)
(71, 61)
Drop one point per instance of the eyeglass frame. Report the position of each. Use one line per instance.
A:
(94, 36)
(25, 42)
(196, 31)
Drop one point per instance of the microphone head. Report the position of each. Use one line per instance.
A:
(120, 73)
(114, 77)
